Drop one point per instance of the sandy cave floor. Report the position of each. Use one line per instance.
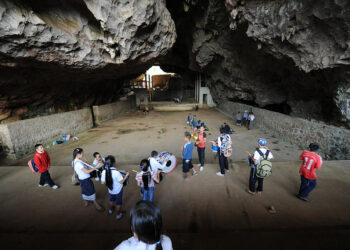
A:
(133, 136)
(206, 212)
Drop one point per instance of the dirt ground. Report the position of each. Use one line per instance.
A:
(133, 136)
(205, 212)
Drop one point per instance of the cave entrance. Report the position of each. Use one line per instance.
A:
(157, 87)
(205, 101)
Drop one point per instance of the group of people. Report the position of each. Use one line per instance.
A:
(247, 120)
(144, 212)
(311, 160)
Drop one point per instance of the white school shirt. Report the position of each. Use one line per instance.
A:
(155, 165)
(116, 177)
(257, 155)
(134, 244)
(95, 162)
(78, 166)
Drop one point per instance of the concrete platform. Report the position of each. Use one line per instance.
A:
(205, 212)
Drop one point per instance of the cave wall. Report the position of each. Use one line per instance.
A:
(334, 141)
(239, 66)
(61, 55)
(289, 56)
(19, 138)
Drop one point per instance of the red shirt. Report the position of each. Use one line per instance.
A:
(311, 161)
(42, 161)
(201, 138)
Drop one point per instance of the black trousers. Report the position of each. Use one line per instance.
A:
(252, 181)
(46, 178)
(201, 155)
(223, 162)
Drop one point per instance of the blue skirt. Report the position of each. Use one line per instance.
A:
(87, 189)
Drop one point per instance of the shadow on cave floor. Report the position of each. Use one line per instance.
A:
(133, 136)
(205, 212)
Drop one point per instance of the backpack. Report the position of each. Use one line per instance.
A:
(226, 147)
(264, 168)
(32, 166)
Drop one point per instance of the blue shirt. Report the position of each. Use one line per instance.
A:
(187, 152)
(245, 115)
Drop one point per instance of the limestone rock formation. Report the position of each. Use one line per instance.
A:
(314, 34)
(277, 55)
(76, 51)
(287, 56)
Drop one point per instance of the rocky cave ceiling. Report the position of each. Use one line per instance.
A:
(292, 56)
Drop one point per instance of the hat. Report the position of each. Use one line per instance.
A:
(262, 141)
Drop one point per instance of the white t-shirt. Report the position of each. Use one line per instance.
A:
(155, 165)
(251, 117)
(78, 166)
(96, 162)
(134, 244)
(117, 177)
(258, 157)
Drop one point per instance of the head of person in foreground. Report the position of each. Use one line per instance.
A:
(146, 223)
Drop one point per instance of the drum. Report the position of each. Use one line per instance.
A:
(214, 148)
(170, 165)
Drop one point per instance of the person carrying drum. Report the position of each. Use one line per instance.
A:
(155, 165)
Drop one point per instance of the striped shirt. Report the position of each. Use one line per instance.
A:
(139, 178)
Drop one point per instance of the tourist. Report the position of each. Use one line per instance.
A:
(225, 148)
(147, 227)
(98, 158)
(114, 181)
(43, 162)
(145, 179)
(254, 160)
(83, 173)
(239, 119)
(202, 138)
(311, 162)
(245, 118)
(251, 119)
(155, 165)
(187, 150)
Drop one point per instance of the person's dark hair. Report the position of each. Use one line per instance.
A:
(146, 221)
(144, 163)
(95, 154)
(223, 130)
(146, 177)
(188, 135)
(314, 147)
(109, 162)
(154, 153)
(76, 152)
(38, 145)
